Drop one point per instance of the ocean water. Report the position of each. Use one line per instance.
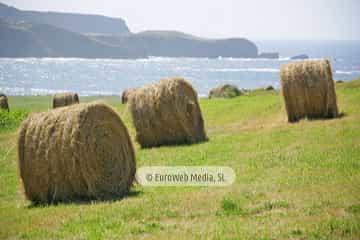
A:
(44, 76)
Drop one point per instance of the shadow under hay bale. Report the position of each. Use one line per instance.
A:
(65, 99)
(78, 153)
(125, 95)
(225, 91)
(308, 90)
(167, 113)
(4, 104)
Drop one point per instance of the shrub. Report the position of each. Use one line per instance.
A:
(11, 120)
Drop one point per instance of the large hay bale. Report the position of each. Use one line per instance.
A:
(167, 112)
(4, 104)
(125, 95)
(80, 152)
(224, 91)
(308, 90)
(65, 99)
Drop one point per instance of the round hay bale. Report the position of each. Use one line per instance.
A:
(81, 152)
(269, 88)
(4, 104)
(166, 113)
(65, 99)
(224, 91)
(308, 90)
(125, 95)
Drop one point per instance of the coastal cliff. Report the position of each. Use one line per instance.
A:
(51, 34)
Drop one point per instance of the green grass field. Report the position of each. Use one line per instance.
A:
(294, 181)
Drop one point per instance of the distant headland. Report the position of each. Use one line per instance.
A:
(69, 35)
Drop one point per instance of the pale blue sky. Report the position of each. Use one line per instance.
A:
(254, 19)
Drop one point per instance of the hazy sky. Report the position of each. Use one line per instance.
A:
(254, 19)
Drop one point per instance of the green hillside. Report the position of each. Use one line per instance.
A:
(294, 181)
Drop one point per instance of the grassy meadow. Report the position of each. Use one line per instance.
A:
(294, 181)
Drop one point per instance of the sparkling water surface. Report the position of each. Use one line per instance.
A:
(43, 76)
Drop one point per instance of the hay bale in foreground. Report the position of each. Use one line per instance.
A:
(224, 91)
(80, 152)
(4, 104)
(125, 95)
(167, 112)
(65, 99)
(308, 90)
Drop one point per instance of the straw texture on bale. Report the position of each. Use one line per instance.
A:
(125, 95)
(81, 152)
(4, 104)
(166, 113)
(224, 91)
(65, 99)
(308, 90)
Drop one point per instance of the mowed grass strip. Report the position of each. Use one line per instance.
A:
(294, 181)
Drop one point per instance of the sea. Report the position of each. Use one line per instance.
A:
(46, 76)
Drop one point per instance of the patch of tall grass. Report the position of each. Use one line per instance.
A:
(11, 120)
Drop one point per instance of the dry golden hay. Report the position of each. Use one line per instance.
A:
(308, 90)
(225, 91)
(4, 104)
(125, 95)
(65, 99)
(166, 113)
(81, 152)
